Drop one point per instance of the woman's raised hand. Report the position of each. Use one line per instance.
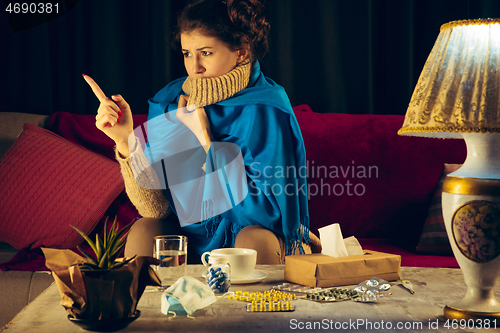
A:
(114, 117)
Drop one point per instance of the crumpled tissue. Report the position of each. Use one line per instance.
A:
(334, 245)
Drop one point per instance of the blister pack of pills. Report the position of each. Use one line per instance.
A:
(279, 306)
(266, 296)
(332, 295)
(367, 291)
(267, 301)
(295, 288)
(370, 290)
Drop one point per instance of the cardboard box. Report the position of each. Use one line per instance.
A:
(319, 270)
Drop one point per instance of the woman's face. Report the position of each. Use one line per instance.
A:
(206, 56)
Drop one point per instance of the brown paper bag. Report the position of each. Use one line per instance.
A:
(98, 295)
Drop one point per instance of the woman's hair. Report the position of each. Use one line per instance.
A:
(234, 22)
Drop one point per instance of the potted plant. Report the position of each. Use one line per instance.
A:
(106, 250)
(101, 291)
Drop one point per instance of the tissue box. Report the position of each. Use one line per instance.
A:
(319, 270)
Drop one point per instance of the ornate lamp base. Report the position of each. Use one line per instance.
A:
(471, 211)
(473, 227)
(452, 313)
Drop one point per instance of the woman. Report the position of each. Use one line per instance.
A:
(200, 128)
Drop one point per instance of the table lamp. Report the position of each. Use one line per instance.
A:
(458, 96)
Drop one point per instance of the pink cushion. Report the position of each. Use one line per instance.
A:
(48, 183)
(365, 177)
(80, 129)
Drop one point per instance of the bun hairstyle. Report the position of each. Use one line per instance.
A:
(235, 22)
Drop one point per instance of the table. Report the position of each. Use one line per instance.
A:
(422, 312)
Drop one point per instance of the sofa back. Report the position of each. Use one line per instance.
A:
(11, 125)
(365, 177)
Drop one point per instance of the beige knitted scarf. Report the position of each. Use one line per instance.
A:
(207, 91)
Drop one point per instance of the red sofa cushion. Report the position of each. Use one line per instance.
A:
(81, 130)
(48, 183)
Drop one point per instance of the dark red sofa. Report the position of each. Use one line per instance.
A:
(376, 184)
(391, 180)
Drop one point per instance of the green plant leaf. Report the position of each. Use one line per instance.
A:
(123, 263)
(104, 262)
(122, 240)
(117, 242)
(112, 234)
(115, 254)
(105, 236)
(100, 247)
(89, 258)
(91, 266)
(87, 238)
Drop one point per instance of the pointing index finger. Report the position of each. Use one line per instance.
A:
(95, 88)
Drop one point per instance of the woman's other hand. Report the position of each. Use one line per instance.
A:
(113, 117)
(196, 120)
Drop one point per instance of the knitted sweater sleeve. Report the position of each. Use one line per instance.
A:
(142, 184)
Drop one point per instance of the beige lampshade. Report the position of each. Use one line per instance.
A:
(459, 88)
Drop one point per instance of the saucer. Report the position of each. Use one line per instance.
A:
(256, 276)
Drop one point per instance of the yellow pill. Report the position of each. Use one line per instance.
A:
(244, 298)
(252, 295)
(251, 299)
(238, 298)
(259, 295)
(230, 296)
(259, 299)
(245, 293)
(288, 305)
(238, 292)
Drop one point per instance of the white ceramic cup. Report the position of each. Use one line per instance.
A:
(242, 261)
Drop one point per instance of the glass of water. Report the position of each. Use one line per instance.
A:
(172, 251)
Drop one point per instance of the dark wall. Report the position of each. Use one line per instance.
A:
(356, 56)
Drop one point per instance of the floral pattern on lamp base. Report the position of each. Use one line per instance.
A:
(476, 231)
